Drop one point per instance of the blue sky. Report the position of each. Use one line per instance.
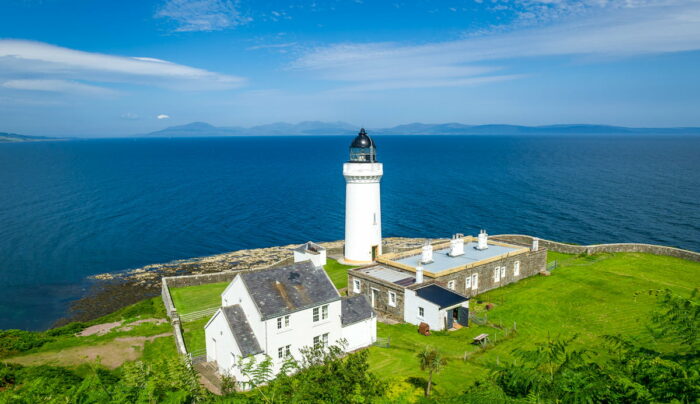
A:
(107, 68)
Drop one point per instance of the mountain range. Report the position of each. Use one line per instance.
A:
(13, 137)
(202, 129)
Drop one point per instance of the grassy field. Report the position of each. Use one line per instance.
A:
(337, 272)
(585, 296)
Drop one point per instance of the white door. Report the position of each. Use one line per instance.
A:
(375, 294)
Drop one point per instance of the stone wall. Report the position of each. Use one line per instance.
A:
(381, 304)
(531, 263)
(601, 248)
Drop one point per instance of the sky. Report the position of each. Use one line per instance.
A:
(99, 68)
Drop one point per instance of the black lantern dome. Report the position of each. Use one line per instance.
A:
(363, 149)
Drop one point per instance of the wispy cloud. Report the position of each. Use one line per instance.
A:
(58, 86)
(163, 116)
(638, 28)
(202, 15)
(38, 66)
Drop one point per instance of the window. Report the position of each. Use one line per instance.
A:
(324, 312)
(356, 285)
(320, 313)
(321, 340)
(497, 274)
(516, 268)
(392, 299)
(451, 285)
(282, 322)
(284, 352)
(421, 312)
(316, 314)
(503, 272)
(468, 283)
(475, 281)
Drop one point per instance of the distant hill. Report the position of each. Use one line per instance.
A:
(202, 129)
(13, 137)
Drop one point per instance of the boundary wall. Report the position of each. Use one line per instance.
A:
(601, 248)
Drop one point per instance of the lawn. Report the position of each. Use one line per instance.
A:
(588, 296)
(188, 299)
(337, 272)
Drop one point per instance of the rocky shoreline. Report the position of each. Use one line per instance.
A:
(112, 291)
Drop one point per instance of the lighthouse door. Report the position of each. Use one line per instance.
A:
(374, 252)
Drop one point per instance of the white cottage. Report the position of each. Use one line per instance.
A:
(310, 251)
(278, 311)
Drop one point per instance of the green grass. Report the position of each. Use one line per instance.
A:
(337, 272)
(194, 298)
(193, 332)
(588, 296)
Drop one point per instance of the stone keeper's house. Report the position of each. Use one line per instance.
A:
(278, 311)
(433, 284)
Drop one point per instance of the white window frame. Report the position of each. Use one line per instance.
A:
(321, 339)
(497, 274)
(324, 312)
(280, 352)
(317, 314)
(503, 272)
(451, 284)
(356, 285)
(283, 322)
(475, 281)
(421, 312)
(324, 338)
(516, 268)
(392, 299)
(468, 282)
(287, 351)
(279, 323)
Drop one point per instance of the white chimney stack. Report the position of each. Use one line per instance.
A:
(419, 274)
(482, 242)
(456, 245)
(427, 253)
(535, 244)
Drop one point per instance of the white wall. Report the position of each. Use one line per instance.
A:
(432, 314)
(318, 260)
(225, 350)
(360, 334)
(363, 216)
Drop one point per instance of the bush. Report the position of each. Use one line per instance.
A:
(16, 341)
(68, 329)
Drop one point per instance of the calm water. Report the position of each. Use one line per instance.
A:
(72, 209)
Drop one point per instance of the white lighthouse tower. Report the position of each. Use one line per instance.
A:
(363, 216)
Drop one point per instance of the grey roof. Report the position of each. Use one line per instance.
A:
(440, 296)
(354, 309)
(443, 262)
(310, 247)
(238, 323)
(389, 275)
(280, 291)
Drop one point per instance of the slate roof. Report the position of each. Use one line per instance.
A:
(355, 309)
(441, 296)
(310, 247)
(280, 291)
(238, 323)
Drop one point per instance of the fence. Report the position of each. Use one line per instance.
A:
(195, 315)
(383, 342)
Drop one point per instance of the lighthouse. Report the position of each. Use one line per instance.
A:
(363, 216)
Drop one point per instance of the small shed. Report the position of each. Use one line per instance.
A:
(310, 251)
(439, 307)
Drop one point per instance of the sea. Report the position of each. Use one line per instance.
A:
(71, 209)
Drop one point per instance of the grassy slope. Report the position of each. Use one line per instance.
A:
(337, 272)
(587, 296)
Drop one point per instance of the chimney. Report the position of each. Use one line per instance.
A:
(456, 245)
(535, 244)
(419, 274)
(482, 242)
(427, 253)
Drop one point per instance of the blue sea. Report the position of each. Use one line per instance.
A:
(76, 208)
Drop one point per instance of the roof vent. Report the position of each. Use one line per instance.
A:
(419, 274)
(427, 253)
(482, 241)
(456, 245)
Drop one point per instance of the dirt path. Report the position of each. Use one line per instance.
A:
(111, 354)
